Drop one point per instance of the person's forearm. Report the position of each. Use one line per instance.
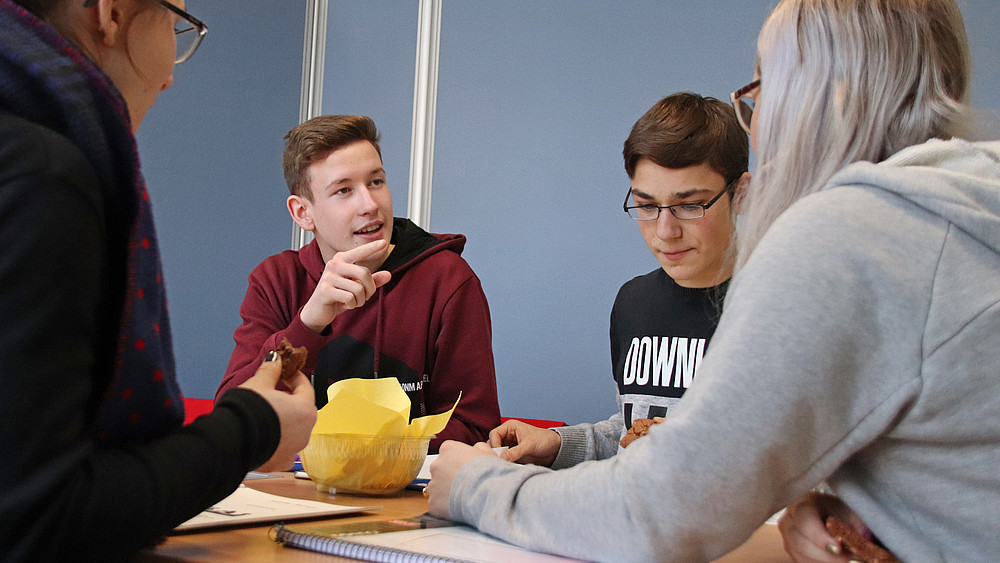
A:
(583, 442)
(114, 502)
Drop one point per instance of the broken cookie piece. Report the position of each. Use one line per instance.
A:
(857, 546)
(640, 427)
(292, 359)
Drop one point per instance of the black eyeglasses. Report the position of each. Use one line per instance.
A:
(650, 212)
(743, 104)
(189, 31)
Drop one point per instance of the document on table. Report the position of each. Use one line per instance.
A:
(425, 471)
(250, 506)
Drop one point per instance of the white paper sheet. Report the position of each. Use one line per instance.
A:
(246, 506)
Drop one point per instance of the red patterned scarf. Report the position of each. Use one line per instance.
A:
(45, 79)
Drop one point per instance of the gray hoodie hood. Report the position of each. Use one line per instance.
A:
(957, 180)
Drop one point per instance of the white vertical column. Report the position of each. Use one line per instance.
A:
(311, 100)
(424, 109)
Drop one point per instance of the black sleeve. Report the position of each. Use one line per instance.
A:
(59, 493)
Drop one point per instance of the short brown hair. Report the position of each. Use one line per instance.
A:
(315, 139)
(686, 129)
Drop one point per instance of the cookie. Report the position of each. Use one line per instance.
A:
(857, 546)
(292, 359)
(640, 427)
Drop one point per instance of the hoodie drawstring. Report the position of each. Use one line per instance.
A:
(378, 349)
(378, 332)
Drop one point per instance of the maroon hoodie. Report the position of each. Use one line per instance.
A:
(429, 327)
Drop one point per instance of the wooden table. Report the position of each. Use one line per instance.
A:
(252, 544)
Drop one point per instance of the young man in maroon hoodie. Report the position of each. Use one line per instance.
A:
(372, 295)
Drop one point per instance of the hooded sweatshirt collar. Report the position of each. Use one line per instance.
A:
(956, 180)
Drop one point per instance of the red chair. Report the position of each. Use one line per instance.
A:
(534, 421)
(193, 408)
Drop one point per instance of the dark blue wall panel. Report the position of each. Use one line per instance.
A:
(211, 151)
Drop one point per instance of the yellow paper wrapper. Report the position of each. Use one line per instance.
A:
(375, 407)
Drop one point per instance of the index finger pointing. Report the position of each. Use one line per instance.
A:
(360, 253)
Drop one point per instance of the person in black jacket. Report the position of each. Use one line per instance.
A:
(97, 462)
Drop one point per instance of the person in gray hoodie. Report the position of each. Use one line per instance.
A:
(859, 342)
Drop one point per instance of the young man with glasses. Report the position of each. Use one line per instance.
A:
(686, 159)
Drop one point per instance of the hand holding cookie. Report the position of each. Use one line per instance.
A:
(294, 403)
(821, 527)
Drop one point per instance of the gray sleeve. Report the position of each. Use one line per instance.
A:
(584, 442)
(785, 396)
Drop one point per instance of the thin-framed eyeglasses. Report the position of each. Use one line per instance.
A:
(188, 30)
(651, 212)
(743, 104)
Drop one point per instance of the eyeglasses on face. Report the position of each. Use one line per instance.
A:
(743, 104)
(651, 212)
(189, 31)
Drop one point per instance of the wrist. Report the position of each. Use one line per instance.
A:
(554, 442)
(311, 322)
(313, 327)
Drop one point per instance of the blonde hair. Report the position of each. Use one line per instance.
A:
(845, 81)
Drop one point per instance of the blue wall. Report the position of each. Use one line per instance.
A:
(378, 84)
(211, 153)
(534, 102)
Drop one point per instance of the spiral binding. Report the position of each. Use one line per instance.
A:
(345, 548)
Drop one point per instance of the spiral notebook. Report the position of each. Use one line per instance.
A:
(422, 539)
